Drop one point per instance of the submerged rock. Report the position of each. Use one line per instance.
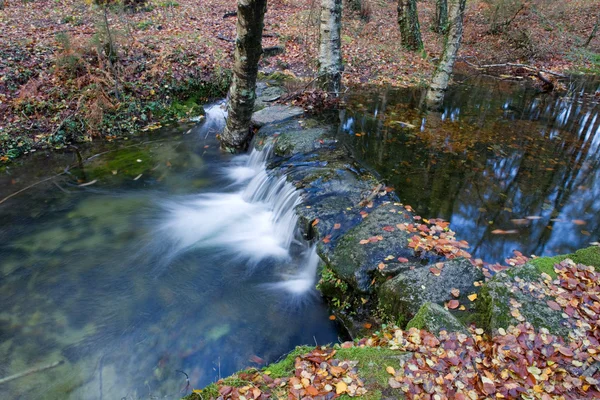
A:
(435, 318)
(401, 297)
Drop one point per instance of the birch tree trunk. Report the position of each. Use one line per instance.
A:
(330, 46)
(443, 73)
(441, 16)
(242, 93)
(408, 20)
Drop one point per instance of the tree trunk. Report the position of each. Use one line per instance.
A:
(443, 73)
(408, 19)
(330, 46)
(242, 93)
(441, 16)
(594, 30)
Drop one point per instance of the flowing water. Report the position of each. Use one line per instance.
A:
(149, 262)
(510, 168)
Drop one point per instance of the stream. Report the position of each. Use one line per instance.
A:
(153, 262)
(161, 259)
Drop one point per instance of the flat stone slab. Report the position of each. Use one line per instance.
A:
(275, 114)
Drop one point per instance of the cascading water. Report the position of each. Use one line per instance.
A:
(256, 220)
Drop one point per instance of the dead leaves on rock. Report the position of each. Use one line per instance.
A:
(316, 375)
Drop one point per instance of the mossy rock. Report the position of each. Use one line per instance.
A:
(401, 298)
(494, 305)
(355, 262)
(586, 256)
(435, 318)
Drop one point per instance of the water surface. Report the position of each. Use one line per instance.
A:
(154, 260)
(510, 168)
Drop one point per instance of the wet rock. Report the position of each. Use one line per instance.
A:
(275, 114)
(266, 95)
(355, 262)
(401, 297)
(435, 318)
(516, 289)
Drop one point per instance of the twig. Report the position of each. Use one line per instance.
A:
(221, 37)
(230, 14)
(30, 371)
(187, 379)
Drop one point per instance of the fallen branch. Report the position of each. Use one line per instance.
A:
(221, 37)
(513, 65)
(30, 371)
(230, 14)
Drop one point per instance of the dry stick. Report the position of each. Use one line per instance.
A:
(529, 67)
(594, 30)
(30, 371)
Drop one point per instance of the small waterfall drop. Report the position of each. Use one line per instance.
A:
(255, 220)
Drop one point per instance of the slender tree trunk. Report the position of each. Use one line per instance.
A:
(242, 93)
(443, 73)
(441, 16)
(330, 46)
(594, 31)
(408, 19)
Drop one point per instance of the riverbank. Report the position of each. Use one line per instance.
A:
(70, 75)
(425, 318)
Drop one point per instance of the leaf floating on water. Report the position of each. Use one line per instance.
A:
(332, 317)
(389, 228)
(452, 304)
(402, 259)
(435, 271)
(455, 292)
(88, 183)
(520, 221)
(316, 221)
(533, 217)
(503, 232)
(472, 297)
(337, 226)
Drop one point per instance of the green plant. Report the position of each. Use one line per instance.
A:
(144, 25)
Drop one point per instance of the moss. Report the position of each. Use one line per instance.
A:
(285, 367)
(372, 362)
(546, 264)
(434, 318)
(586, 256)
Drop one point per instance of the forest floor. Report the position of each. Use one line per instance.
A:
(62, 82)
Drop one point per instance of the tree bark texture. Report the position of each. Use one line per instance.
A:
(242, 93)
(330, 46)
(408, 20)
(441, 16)
(443, 73)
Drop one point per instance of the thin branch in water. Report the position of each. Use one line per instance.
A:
(187, 379)
(31, 371)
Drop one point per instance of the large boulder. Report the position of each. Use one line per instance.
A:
(401, 297)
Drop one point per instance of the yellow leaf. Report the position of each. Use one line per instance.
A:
(472, 297)
(391, 370)
(341, 387)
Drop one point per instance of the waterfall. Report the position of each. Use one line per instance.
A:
(255, 222)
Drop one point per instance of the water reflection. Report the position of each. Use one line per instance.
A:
(510, 168)
(88, 276)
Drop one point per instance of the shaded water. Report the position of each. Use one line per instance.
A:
(510, 168)
(175, 259)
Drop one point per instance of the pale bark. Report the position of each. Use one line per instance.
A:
(242, 93)
(443, 73)
(441, 16)
(408, 20)
(330, 46)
